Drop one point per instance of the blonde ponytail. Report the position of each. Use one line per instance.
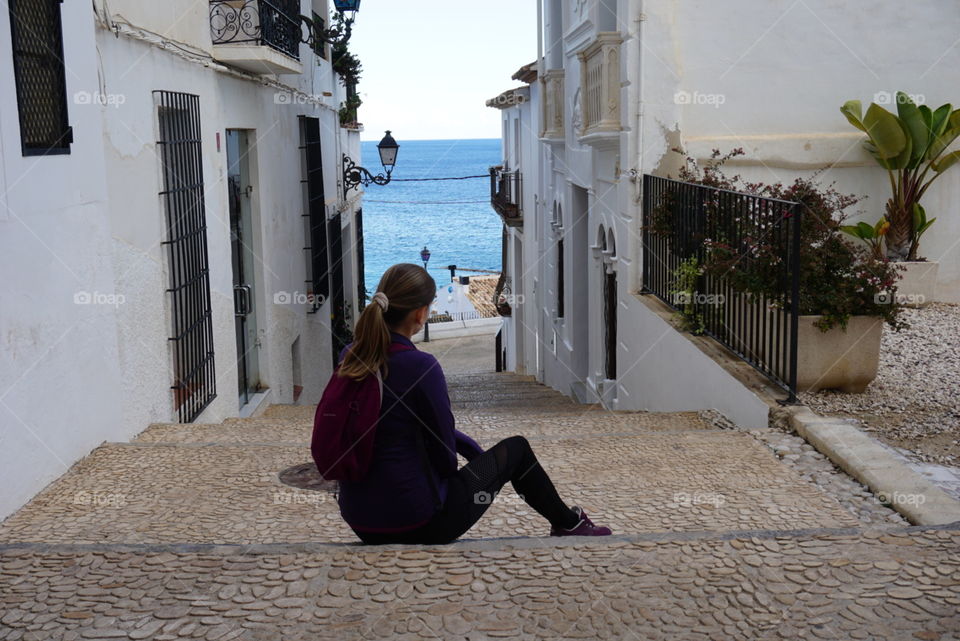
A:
(403, 288)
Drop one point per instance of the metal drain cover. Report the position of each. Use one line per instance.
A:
(307, 477)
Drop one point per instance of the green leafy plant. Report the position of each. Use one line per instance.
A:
(347, 65)
(348, 110)
(911, 146)
(344, 62)
(872, 235)
(686, 277)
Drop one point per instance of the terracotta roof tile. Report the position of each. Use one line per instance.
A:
(480, 294)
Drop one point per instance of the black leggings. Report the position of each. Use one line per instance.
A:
(471, 490)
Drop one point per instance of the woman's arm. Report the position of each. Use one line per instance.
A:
(466, 446)
(440, 439)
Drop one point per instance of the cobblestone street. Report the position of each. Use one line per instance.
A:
(187, 532)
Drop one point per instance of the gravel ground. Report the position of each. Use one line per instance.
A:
(816, 468)
(914, 403)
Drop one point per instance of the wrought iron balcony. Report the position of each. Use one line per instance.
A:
(505, 193)
(249, 33)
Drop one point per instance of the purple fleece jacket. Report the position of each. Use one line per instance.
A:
(396, 494)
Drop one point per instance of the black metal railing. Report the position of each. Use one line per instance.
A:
(505, 193)
(450, 317)
(686, 222)
(273, 23)
(181, 161)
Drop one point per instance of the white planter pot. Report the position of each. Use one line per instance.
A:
(838, 359)
(918, 283)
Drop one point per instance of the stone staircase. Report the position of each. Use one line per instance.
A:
(187, 533)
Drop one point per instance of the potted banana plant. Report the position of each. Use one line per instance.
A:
(912, 146)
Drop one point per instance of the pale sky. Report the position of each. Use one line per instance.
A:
(429, 68)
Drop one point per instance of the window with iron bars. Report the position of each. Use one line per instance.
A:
(37, 40)
(179, 146)
(314, 213)
(361, 282)
(319, 44)
(560, 276)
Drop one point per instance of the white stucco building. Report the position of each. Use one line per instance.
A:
(175, 237)
(619, 83)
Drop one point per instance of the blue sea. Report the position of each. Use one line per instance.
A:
(453, 218)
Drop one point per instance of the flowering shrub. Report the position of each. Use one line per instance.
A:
(837, 278)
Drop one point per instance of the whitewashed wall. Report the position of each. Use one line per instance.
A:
(772, 81)
(520, 126)
(59, 374)
(527, 283)
(658, 368)
(91, 222)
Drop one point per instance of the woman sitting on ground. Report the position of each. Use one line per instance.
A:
(409, 498)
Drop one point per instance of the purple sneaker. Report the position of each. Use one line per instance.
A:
(585, 527)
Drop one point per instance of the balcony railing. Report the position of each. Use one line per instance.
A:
(270, 23)
(682, 223)
(600, 87)
(505, 193)
(553, 100)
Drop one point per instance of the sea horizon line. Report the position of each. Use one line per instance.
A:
(436, 139)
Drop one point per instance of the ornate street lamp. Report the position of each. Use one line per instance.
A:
(333, 35)
(425, 257)
(354, 175)
(347, 5)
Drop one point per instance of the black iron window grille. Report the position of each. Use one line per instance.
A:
(339, 323)
(273, 23)
(610, 322)
(682, 222)
(500, 293)
(560, 278)
(38, 69)
(314, 216)
(181, 162)
(318, 43)
(361, 281)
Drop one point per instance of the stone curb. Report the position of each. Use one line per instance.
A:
(865, 459)
(497, 543)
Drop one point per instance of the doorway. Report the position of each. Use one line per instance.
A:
(240, 187)
(609, 322)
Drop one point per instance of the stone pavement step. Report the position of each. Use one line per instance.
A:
(188, 533)
(585, 423)
(489, 377)
(635, 482)
(485, 391)
(485, 426)
(773, 585)
(472, 400)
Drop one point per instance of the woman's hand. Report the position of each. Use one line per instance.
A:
(466, 446)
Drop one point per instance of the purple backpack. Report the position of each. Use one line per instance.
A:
(345, 424)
